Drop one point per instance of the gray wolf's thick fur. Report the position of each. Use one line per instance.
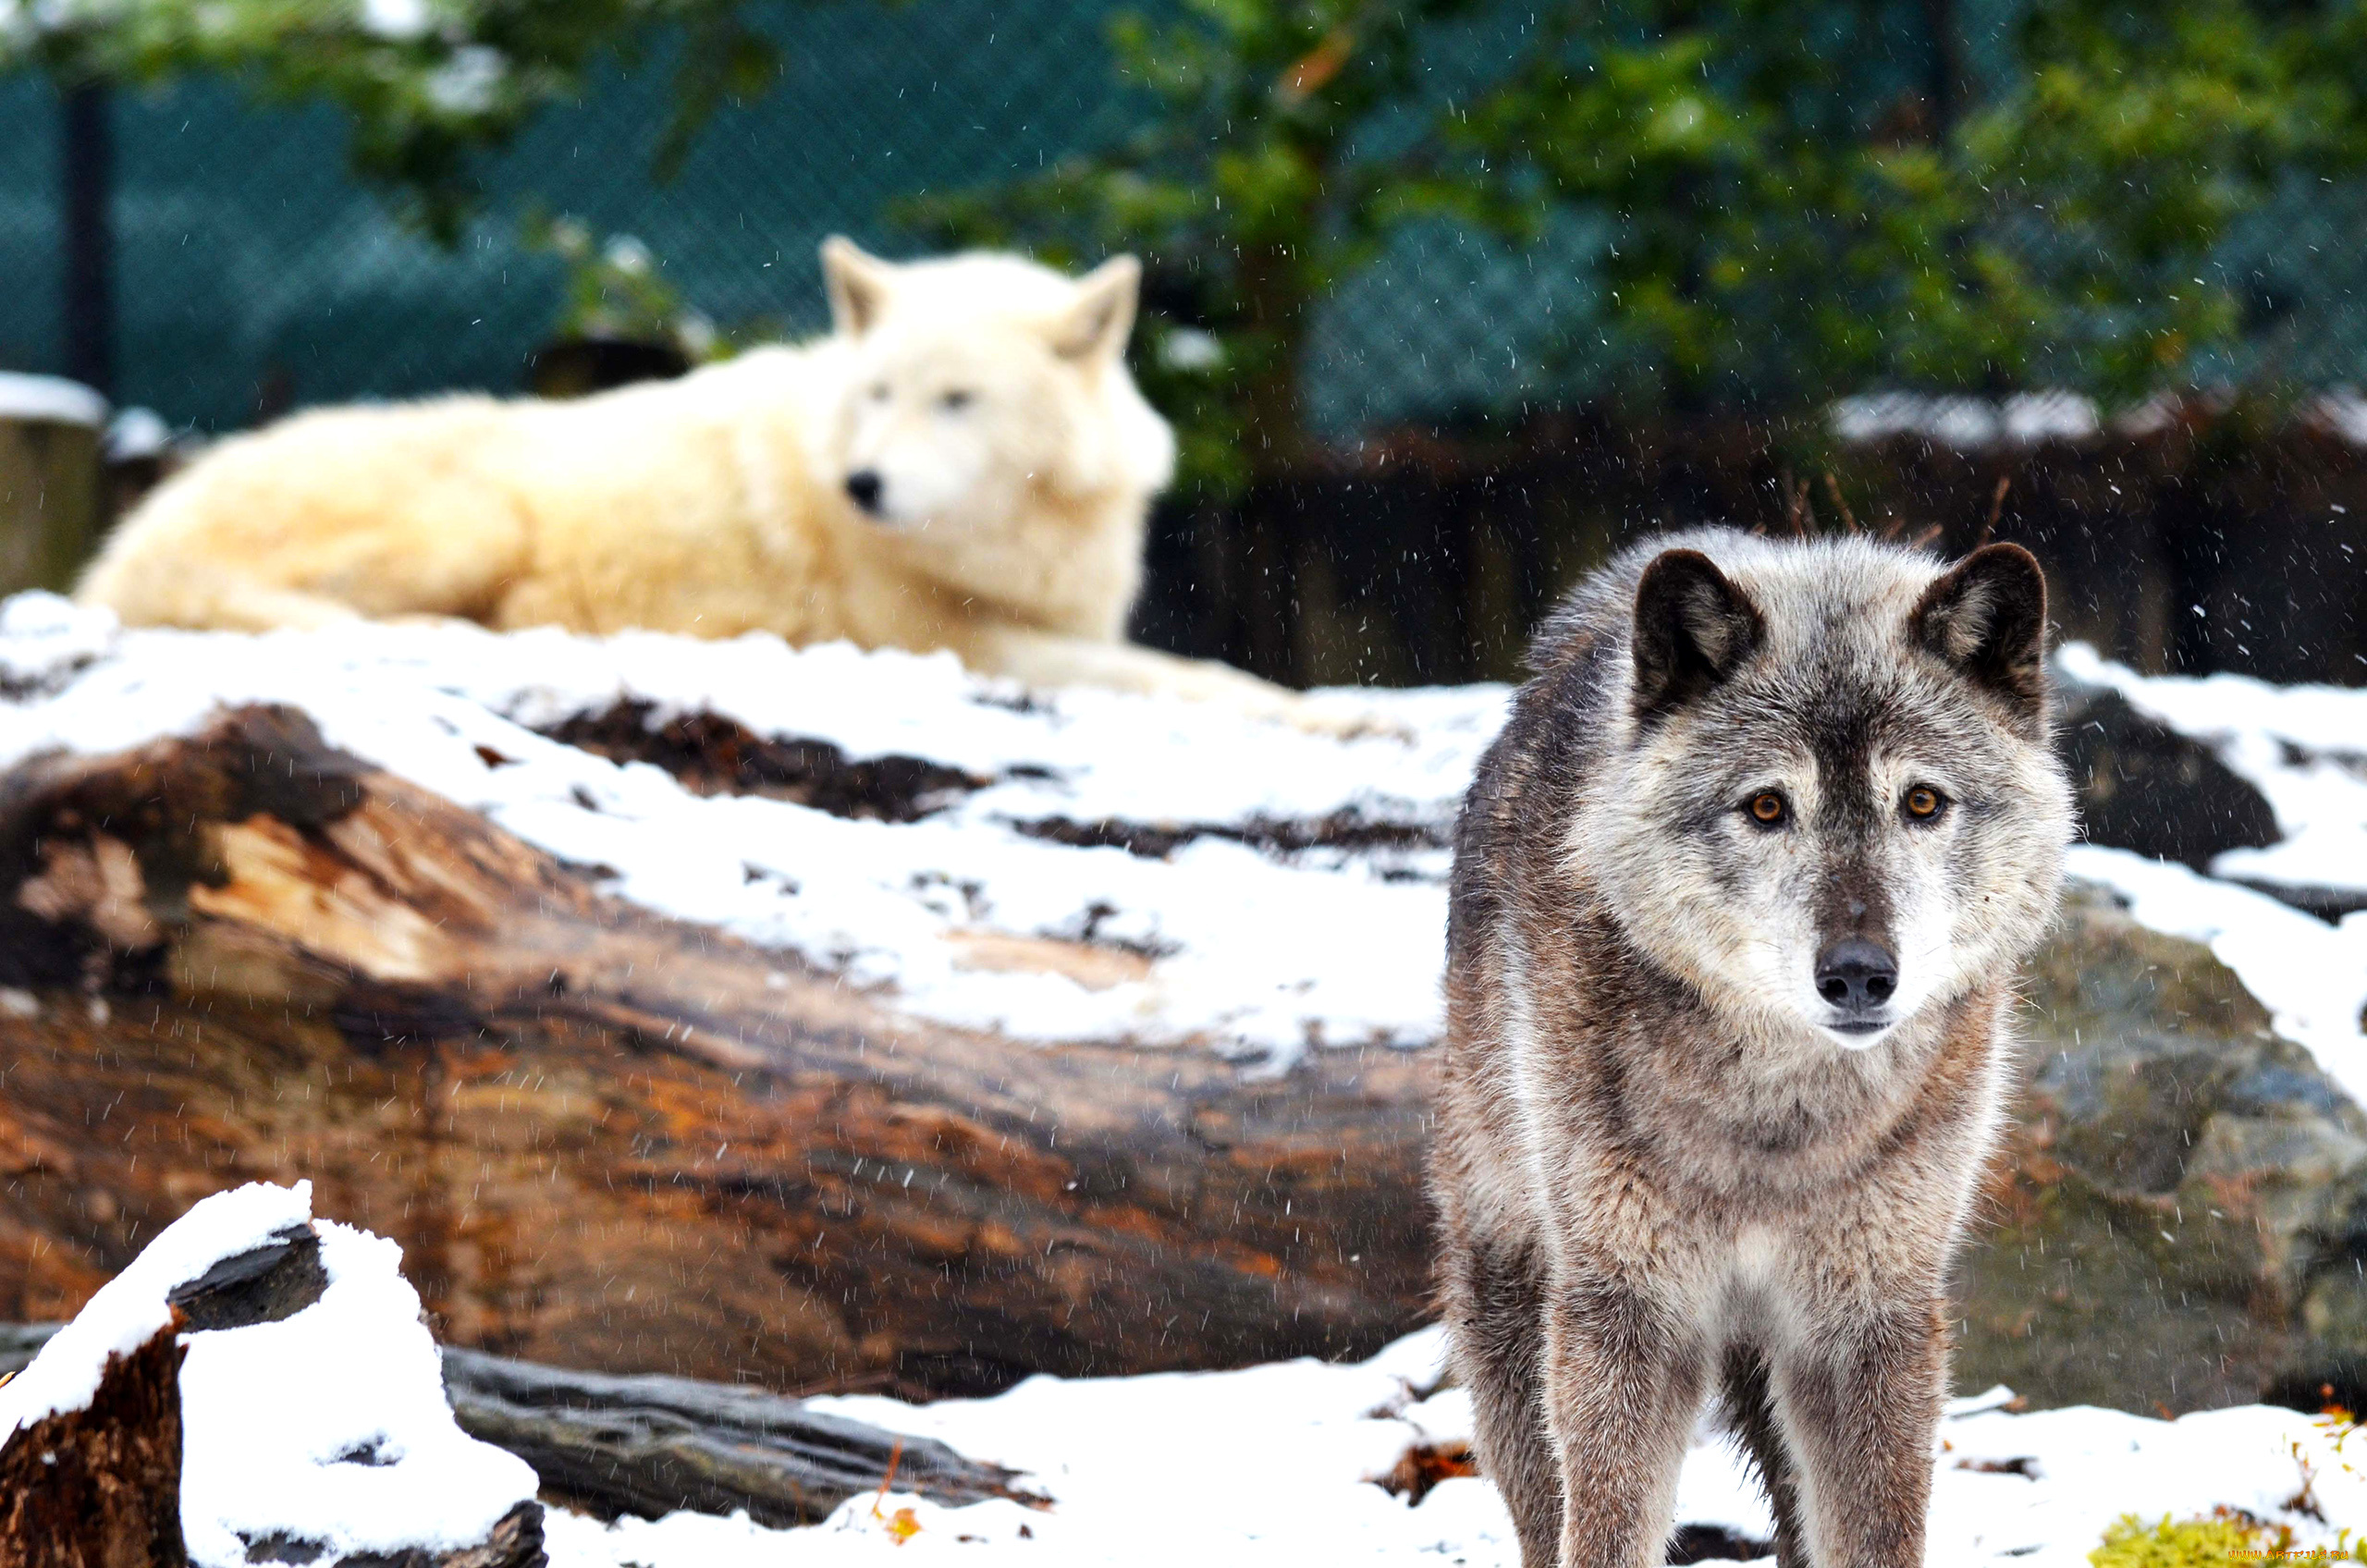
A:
(1693, 1140)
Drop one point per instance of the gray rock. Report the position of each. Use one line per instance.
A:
(2181, 1215)
(2145, 787)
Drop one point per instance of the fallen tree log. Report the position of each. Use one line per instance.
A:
(605, 1138)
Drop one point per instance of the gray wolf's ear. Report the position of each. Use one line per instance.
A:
(858, 285)
(1096, 324)
(1986, 616)
(1693, 629)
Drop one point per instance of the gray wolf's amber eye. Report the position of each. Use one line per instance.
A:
(1923, 803)
(1767, 809)
(954, 402)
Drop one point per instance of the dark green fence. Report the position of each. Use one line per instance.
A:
(253, 274)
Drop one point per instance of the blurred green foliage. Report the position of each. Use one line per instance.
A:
(1244, 187)
(616, 289)
(1801, 196)
(426, 84)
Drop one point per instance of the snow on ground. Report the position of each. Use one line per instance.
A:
(1252, 949)
(328, 1428)
(1275, 1464)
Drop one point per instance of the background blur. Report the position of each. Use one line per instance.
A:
(1447, 299)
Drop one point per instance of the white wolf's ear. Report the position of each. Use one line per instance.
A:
(1986, 617)
(1096, 324)
(858, 284)
(1693, 629)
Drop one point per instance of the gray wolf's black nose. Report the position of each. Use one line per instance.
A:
(1856, 975)
(863, 485)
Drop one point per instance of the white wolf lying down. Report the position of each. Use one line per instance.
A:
(964, 463)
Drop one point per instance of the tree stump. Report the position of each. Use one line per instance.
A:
(101, 1486)
(51, 490)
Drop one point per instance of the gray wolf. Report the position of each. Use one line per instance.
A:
(1738, 902)
(964, 463)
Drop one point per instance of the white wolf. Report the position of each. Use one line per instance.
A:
(964, 463)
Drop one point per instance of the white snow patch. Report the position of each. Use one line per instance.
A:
(1966, 424)
(137, 433)
(1274, 1465)
(2304, 748)
(1252, 950)
(331, 1427)
(49, 399)
(131, 1309)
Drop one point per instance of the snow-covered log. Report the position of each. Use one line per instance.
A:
(693, 1151)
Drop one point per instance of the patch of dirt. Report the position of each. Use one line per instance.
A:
(1341, 830)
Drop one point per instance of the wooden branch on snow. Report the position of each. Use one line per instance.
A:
(649, 1445)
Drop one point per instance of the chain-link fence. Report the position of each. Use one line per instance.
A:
(253, 273)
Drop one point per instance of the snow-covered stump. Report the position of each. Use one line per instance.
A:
(253, 1388)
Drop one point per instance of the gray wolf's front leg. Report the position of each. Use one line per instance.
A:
(1624, 1382)
(1494, 1295)
(1860, 1402)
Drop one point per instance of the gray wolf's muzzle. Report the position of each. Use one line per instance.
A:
(1857, 978)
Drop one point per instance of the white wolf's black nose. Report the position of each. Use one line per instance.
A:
(863, 485)
(1856, 975)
